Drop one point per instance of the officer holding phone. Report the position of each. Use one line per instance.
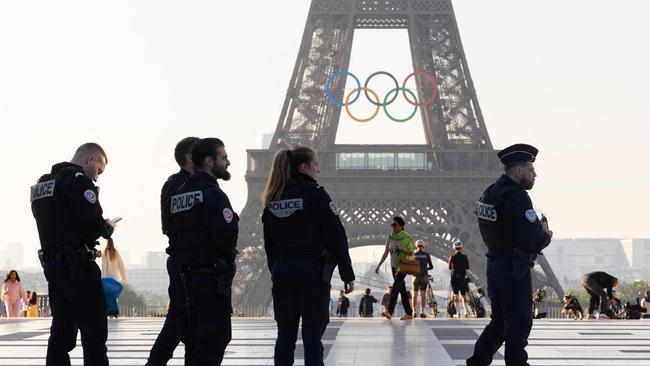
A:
(69, 219)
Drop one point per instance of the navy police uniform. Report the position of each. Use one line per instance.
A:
(69, 220)
(304, 240)
(513, 235)
(206, 230)
(173, 329)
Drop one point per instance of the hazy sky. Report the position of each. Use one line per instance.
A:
(570, 77)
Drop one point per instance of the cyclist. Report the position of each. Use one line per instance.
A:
(459, 264)
(421, 282)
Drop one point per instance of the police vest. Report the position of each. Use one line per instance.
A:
(292, 224)
(194, 246)
(495, 223)
(173, 183)
(56, 223)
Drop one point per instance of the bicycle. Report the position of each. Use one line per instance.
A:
(431, 304)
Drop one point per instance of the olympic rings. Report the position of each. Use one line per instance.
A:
(381, 73)
(388, 99)
(328, 90)
(404, 90)
(373, 115)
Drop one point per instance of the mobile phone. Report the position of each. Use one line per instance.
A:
(116, 220)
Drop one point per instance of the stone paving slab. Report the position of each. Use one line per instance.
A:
(364, 342)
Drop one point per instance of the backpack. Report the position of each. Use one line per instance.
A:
(451, 308)
(480, 310)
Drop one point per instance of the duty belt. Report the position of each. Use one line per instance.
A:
(219, 266)
(64, 252)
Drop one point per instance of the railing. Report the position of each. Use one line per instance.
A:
(553, 311)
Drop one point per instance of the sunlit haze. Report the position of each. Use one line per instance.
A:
(569, 77)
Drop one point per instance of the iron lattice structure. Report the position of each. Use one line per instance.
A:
(435, 197)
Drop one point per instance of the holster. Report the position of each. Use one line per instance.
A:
(327, 267)
(523, 263)
(77, 259)
(41, 257)
(225, 275)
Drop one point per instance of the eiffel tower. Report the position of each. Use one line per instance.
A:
(433, 185)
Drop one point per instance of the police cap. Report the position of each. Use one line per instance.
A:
(517, 152)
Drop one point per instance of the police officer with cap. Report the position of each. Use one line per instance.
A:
(173, 329)
(304, 240)
(206, 233)
(513, 235)
(69, 220)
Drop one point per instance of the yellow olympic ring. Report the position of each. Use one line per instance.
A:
(347, 104)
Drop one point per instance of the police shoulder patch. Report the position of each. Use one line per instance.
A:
(531, 215)
(90, 196)
(227, 215)
(335, 210)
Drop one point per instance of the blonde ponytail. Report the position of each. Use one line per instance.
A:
(278, 178)
(285, 166)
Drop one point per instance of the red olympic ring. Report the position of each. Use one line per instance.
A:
(428, 76)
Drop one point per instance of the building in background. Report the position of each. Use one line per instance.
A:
(571, 258)
(12, 255)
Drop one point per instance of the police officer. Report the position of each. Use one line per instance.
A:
(206, 230)
(513, 235)
(304, 240)
(69, 220)
(174, 327)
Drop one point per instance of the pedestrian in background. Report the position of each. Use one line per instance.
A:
(113, 277)
(12, 293)
(366, 305)
(343, 305)
(599, 286)
(32, 308)
(399, 245)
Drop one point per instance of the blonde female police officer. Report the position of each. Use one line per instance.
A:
(302, 231)
(513, 235)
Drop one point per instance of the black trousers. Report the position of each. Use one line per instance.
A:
(209, 328)
(299, 292)
(511, 318)
(76, 304)
(597, 295)
(399, 288)
(173, 330)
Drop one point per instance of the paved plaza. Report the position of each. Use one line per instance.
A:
(360, 342)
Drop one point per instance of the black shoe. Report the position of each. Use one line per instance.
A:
(422, 315)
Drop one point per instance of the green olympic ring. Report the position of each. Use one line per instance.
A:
(404, 90)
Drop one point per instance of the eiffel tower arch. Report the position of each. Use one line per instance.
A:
(433, 185)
